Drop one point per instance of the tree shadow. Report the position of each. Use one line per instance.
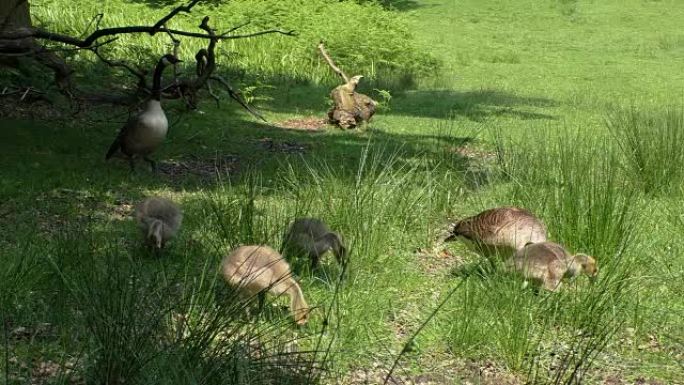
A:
(476, 105)
(397, 5)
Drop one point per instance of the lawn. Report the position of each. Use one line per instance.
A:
(573, 109)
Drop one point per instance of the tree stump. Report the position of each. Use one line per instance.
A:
(350, 107)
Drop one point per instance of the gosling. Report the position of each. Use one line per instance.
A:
(258, 268)
(143, 133)
(312, 237)
(547, 263)
(159, 219)
(500, 231)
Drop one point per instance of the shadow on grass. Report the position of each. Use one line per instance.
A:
(398, 5)
(476, 105)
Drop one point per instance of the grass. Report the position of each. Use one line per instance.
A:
(567, 108)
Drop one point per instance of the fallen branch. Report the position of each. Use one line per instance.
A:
(236, 96)
(331, 63)
(350, 107)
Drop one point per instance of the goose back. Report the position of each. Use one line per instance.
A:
(501, 230)
(256, 268)
(157, 209)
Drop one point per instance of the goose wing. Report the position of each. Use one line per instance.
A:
(116, 145)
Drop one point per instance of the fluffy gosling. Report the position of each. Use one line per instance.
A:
(257, 268)
(159, 219)
(312, 237)
(547, 263)
(500, 231)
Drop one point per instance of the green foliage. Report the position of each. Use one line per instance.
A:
(489, 130)
(362, 38)
(651, 144)
(574, 184)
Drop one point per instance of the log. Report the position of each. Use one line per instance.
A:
(350, 108)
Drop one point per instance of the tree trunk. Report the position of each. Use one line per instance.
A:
(15, 15)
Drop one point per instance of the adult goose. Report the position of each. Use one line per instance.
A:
(500, 231)
(144, 132)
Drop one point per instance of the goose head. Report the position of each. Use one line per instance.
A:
(154, 233)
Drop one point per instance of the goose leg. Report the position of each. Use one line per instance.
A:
(314, 260)
(131, 162)
(152, 163)
(262, 300)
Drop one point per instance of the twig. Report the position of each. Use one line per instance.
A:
(141, 75)
(237, 27)
(183, 8)
(226, 36)
(213, 95)
(97, 17)
(236, 96)
(331, 63)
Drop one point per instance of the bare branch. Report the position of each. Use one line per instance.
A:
(331, 63)
(138, 73)
(226, 36)
(183, 8)
(38, 33)
(236, 96)
(96, 19)
(237, 27)
(213, 95)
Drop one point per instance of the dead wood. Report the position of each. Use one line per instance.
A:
(350, 108)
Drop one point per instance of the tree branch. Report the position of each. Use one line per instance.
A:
(138, 73)
(236, 97)
(331, 63)
(38, 33)
(183, 8)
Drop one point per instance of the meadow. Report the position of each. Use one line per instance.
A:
(573, 109)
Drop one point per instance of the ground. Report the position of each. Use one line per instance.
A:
(531, 106)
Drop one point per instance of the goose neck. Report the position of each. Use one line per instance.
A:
(156, 85)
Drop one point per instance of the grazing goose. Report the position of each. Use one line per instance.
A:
(144, 132)
(312, 237)
(159, 219)
(257, 268)
(500, 231)
(548, 263)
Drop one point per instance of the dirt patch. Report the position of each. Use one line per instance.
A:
(27, 105)
(289, 147)
(436, 371)
(207, 170)
(310, 123)
(438, 260)
(473, 153)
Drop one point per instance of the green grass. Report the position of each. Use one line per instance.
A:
(569, 108)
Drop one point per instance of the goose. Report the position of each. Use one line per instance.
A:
(255, 269)
(159, 219)
(500, 231)
(548, 263)
(144, 132)
(312, 237)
